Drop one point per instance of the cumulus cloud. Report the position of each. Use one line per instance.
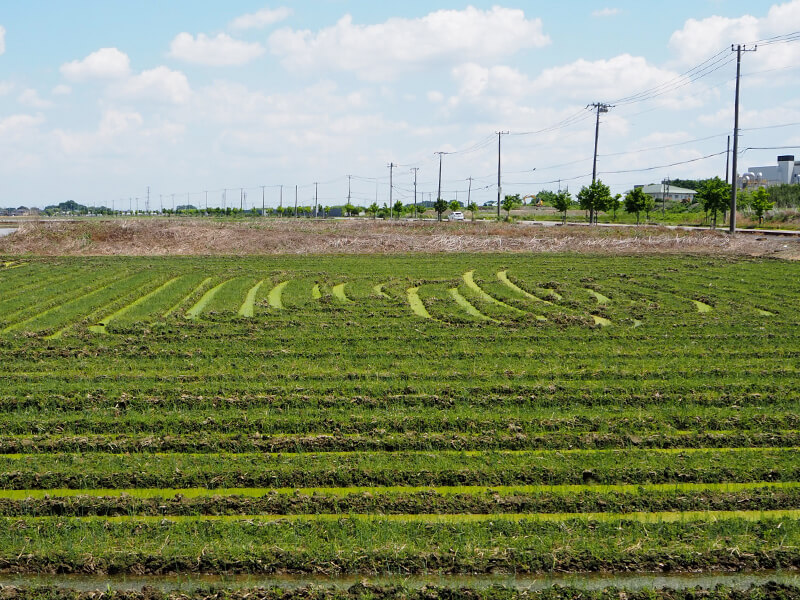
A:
(2, 39)
(30, 97)
(261, 18)
(16, 126)
(106, 63)
(62, 90)
(219, 51)
(381, 51)
(700, 39)
(605, 12)
(159, 85)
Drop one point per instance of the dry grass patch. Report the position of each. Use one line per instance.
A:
(183, 236)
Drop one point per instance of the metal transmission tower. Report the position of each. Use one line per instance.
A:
(500, 135)
(415, 169)
(739, 48)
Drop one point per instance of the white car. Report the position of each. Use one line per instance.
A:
(455, 216)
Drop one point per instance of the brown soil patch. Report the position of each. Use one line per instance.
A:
(183, 236)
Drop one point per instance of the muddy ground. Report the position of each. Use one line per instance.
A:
(185, 236)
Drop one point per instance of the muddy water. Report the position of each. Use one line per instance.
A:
(186, 583)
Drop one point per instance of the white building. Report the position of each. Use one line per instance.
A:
(786, 171)
(658, 191)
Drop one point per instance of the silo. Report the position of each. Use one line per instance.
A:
(785, 168)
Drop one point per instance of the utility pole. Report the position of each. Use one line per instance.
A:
(295, 201)
(415, 169)
(316, 198)
(600, 107)
(500, 135)
(161, 202)
(147, 203)
(734, 183)
(280, 201)
(224, 198)
(439, 192)
(469, 192)
(241, 199)
(349, 177)
(391, 188)
(727, 162)
(263, 202)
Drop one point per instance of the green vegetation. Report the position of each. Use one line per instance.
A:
(399, 414)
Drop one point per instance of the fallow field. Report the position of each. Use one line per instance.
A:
(399, 414)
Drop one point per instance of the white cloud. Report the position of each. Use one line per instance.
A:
(160, 85)
(379, 52)
(6, 87)
(219, 51)
(2, 39)
(603, 79)
(17, 126)
(605, 12)
(261, 18)
(30, 97)
(106, 63)
(62, 90)
(701, 39)
(435, 96)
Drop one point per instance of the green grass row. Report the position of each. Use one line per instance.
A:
(383, 545)
(655, 500)
(102, 470)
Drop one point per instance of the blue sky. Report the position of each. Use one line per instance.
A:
(99, 100)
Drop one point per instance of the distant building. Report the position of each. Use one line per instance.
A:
(786, 171)
(658, 191)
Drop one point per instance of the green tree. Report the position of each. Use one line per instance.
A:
(594, 198)
(547, 197)
(398, 209)
(635, 202)
(562, 202)
(761, 203)
(509, 203)
(615, 203)
(472, 207)
(372, 209)
(649, 205)
(348, 209)
(440, 206)
(714, 196)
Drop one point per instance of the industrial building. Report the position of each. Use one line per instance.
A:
(786, 171)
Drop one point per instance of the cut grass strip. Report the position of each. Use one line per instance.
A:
(248, 307)
(103, 323)
(316, 293)
(339, 293)
(416, 304)
(693, 516)
(469, 280)
(601, 299)
(503, 277)
(601, 321)
(509, 490)
(702, 307)
(378, 289)
(275, 296)
(194, 292)
(469, 308)
(200, 305)
(71, 301)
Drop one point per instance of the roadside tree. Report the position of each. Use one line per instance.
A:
(510, 203)
(760, 203)
(594, 198)
(635, 202)
(562, 202)
(440, 206)
(714, 196)
(472, 208)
